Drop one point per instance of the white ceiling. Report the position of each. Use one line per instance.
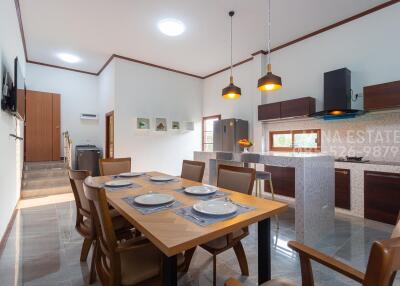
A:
(96, 29)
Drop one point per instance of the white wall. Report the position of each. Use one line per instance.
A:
(11, 151)
(143, 91)
(106, 84)
(79, 94)
(369, 47)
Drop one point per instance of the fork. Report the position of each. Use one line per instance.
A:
(193, 216)
(232, 202)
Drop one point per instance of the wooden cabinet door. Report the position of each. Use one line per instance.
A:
(381, 96)
(297, 107)
(283, 180)
(381, 196)
(342, 188)
(269, 111)
(42, 132)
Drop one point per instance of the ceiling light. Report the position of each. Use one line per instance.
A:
(231, 91)
(171, 27)
(68, 58)
(270, 81)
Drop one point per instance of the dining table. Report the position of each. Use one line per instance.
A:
(173, 234)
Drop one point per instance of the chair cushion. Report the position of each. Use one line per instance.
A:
(142, 263)
(221, 242)
(262, 175)
(279, 282)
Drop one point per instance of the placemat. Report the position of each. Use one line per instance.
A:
(218, 194)
(204, 220)
(149, 210)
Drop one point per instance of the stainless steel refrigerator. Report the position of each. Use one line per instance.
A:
(228, 132)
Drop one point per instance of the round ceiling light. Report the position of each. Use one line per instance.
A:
(171, 27)
(68, 58)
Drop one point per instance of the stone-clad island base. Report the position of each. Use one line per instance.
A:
(314, 187)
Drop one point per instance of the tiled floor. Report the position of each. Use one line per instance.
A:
(43, 249)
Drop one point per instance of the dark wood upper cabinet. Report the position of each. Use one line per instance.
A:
(286, 109)
(382, 96)
(342, 188)
(381, 196)
(269, 111)
(297, 107)
(283, 180)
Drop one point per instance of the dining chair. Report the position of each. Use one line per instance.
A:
(132, 262)
(193, 170)
(84, 225)
(238, 179)
(383, 263)
(111, 166)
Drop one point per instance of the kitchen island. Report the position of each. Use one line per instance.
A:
(314, 187)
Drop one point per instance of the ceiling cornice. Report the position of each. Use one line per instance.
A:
(342, 22)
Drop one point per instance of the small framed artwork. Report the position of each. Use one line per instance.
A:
(176, 125)
(143, 123)
(161, 124)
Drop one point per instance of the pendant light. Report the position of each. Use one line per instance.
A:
(231, 91)
(269, 82)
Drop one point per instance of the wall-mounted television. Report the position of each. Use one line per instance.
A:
(14, 93)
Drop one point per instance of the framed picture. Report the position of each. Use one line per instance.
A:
(161, 124)
(176, 125)
(143, 123)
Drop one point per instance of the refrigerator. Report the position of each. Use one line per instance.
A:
(87, 158)
(227, 132)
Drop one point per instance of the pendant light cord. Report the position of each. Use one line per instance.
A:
(231, 45)
(269, 33)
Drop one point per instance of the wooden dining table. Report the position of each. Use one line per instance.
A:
(173, 234)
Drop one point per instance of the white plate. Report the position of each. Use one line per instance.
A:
(162, 178)
(154, 199)
(215, 208)
(118, 184)
(201, 190)
(129, 175)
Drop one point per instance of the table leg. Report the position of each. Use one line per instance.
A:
(264, 251)
(169, 274)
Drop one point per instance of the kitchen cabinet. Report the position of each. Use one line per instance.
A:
(269, 111)
(382, 96)
(381, 196)
(286, 109)
(283, 180)
(342, 188)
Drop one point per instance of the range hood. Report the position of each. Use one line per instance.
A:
(337, 96)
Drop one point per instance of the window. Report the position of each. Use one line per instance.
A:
(295, 140)
(208, 127)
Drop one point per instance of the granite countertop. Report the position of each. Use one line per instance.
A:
(383, 163)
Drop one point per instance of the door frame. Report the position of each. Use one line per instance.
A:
(107, 120)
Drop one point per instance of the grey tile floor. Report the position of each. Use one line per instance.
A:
(43, 249)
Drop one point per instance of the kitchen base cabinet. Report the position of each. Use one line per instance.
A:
(342, 188)
(381, 196)
(283, 180)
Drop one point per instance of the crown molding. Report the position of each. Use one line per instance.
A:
(302, 38)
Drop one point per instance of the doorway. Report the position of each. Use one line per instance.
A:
(110, 134)
(42, 127)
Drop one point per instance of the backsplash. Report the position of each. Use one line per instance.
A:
(374, 136)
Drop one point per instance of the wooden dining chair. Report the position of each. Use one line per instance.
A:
(132, 262)
(84, 225)
(193, 170)
(110, 167)
(238, 179)
(383, 263)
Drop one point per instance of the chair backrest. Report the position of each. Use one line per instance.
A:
(384, 261)
(76, 178)
(396, 230)
(250, 158)
(238, 179)
(110, 167)
(108, 262)
(193, 170)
